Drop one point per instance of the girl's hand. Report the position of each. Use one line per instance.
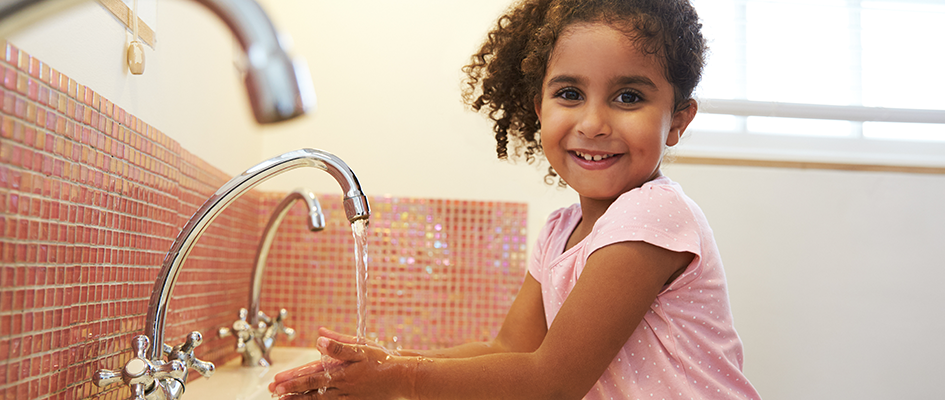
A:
(339, 337)
(364, 372)
(348, 339)
(310, 372)
(316, 368)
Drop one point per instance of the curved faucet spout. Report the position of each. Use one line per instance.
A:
(279, 87)
(355, 205)
(259, 331)
(316, 222)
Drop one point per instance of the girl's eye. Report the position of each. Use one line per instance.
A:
(628, 98)
(568, 94)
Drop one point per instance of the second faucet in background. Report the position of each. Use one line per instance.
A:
(255, 331)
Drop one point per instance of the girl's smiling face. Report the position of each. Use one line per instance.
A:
(607, 112)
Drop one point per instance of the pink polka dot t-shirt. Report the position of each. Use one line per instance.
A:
(686, 346)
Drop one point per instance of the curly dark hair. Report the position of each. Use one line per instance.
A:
(505, 76)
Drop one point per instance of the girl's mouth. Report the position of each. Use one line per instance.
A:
(594, 162)
(597, 157)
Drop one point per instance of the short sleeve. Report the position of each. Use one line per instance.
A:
(550, 237)
(657, 214)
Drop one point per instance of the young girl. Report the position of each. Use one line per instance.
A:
(625, 297)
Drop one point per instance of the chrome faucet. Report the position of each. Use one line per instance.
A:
(255, 331)
(279, 88)
(355, 206)
(150, 358)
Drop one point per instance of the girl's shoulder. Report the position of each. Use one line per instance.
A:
(660, 195)
(658, 213)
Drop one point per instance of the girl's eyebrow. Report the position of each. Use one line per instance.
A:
(633, 80)
(565, 79)
(623, 80)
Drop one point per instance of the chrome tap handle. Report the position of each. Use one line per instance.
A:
(140, 344)
(280, 323)
(184, 353)
(289, 333)
(171, 370)
(248, 339)
(264, 318)
(205, 368)
(139, 390)
(132, 371)
(142, 375)
(239, 326)
(241, 329)
(272, 327)
(263, 325)
(105, 377)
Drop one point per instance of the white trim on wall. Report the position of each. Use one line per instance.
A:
(820, 111)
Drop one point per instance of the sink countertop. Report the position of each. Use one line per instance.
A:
(232, 381)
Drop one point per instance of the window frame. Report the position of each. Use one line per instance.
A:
(850, 151)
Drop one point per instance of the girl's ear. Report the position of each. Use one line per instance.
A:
(681, 120)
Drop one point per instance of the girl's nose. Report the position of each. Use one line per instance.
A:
(594, 122)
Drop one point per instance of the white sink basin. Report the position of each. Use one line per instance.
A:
(232, 381)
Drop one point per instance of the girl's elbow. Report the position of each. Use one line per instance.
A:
(557, 383)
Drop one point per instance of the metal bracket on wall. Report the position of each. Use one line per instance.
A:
(123, 13)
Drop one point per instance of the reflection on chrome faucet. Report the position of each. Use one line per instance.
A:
(256, 336)
(279, 87)
(355, 205)
(170, 386)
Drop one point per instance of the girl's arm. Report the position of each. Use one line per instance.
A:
(522, 331)
(615, 290)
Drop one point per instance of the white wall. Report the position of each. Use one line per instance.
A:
(834, 277)
(387, 77)
(832, 274)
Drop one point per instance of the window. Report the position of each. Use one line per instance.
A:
(849, 81)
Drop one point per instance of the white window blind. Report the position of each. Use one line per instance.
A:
(854, 81)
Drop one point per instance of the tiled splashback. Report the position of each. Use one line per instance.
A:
(441, 272)
(91, 199)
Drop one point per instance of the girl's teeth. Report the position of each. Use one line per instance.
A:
(589, 157)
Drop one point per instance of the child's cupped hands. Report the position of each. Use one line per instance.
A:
(354, 371)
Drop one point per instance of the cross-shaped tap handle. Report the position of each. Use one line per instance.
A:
(241, 329)
(139, 373)
(280, 322)
(185, 354)
(272, 326)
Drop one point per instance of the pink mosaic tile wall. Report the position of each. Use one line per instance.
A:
(91, 199)
(440, 272)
